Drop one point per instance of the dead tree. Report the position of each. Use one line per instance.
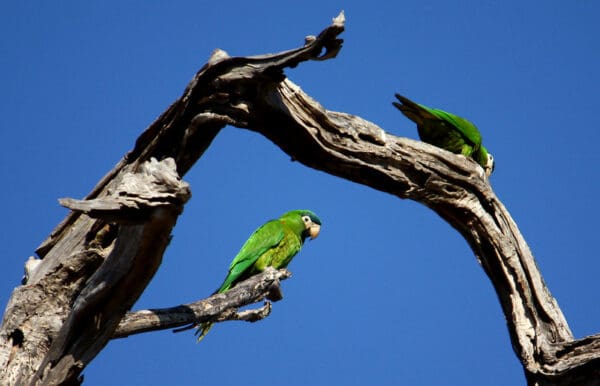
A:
(98, 261)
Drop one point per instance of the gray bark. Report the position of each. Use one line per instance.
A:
(47, 336)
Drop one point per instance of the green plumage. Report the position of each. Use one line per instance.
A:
(274, 244)
(447, 131)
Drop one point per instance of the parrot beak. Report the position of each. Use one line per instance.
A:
(313, 230)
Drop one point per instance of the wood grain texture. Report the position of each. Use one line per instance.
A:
(41, 326)
(216, 308)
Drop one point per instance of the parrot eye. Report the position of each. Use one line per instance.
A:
(306, 219)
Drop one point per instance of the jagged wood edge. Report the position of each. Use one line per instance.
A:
(178, 124)
(216, 308)
(145, 206)
(454, 187)
(354, 149)
(184, 131)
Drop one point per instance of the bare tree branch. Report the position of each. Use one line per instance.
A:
(217, 308)
(145, 206)
(75, 288)
(64, 314)
(453, 186)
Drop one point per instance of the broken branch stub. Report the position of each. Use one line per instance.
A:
(143, 208)
(253, 93)
(215, 308)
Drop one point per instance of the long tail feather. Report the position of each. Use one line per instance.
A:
(410, 109)
(406, 102)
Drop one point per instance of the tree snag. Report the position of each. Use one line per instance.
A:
(74, 300)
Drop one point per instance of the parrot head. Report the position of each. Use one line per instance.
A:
(307, 222)
(312, 223)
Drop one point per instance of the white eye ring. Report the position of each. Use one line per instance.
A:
(306, 219)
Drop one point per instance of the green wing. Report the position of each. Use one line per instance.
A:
(420, 114)
(465, 127)
(264, 238)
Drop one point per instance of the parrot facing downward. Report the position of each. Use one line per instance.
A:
(274, 244)
(447, 131)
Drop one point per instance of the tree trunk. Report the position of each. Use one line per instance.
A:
(97, 262)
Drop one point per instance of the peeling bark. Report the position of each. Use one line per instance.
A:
(70, 305)
(217, 308)
(67, 314)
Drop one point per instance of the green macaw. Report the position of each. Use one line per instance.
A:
(274, 244)
(448, 131)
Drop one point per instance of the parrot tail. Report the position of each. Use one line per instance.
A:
(202, 330)
(410, 109)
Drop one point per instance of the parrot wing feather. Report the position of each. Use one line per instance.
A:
(264, 238)
(464, 126)
(419, 113)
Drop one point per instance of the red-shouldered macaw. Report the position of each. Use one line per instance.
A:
(447, 131)
(274, 244)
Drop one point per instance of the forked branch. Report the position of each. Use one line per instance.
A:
(217, 308)
(253, 93)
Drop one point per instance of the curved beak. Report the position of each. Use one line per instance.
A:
(314, 230)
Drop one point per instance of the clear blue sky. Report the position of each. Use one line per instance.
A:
(389, 293)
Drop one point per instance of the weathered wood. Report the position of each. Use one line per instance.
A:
(253, 93)
(217, 308)
(70, 287)
(68, 315)
(453, 186)
(145, 206)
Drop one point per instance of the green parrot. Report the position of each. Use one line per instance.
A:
(274, 244)
(448, 131)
